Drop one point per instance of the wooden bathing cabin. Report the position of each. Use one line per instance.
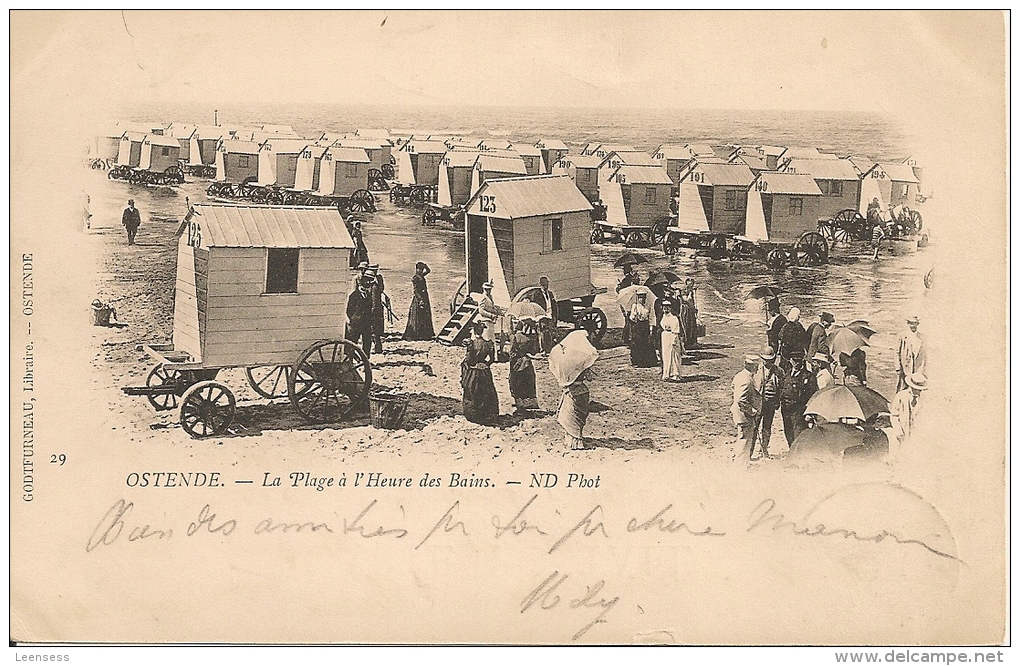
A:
(343, 171)
(237, 161)
(309, 168)
(159, 153)
(789, 205)
(418, 162)
(771, 155)
(552, 150)
(713, 197)
(185, 135)
(837, 180)
(618, 158)
(278, 160)
(488, 166)
(636, 196)
(378, 151)
(455, 175)
(130, 152)
(259, 282)
(532, 157)
(584, 171)
(895, 183)
(518, 230)
(674, 158)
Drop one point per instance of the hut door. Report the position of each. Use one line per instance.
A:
(477, 252)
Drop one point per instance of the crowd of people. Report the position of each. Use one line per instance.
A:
(780, 379)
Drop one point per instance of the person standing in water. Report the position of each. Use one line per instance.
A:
(419, 316)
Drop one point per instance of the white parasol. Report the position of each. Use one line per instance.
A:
(628, 297)
(571, 357)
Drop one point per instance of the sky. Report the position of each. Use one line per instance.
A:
(831, 61)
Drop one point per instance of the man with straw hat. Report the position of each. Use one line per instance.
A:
(911, 356)
(904, 407)
(746, 409)
(570, 362)
(767, 381)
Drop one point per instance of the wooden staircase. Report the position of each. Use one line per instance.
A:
(457, 328)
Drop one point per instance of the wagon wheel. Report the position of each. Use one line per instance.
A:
(269, 381)
(638, 239)
(329, 381)
(915, 219)
(275, 197)
(597, 235)
(98, 164)
(659, 231)
(777, 259)
(207, 409)
(159, 377)
(395, 196)
(173, 174)
(844, 224)
(459, 297)
(362, 201)
(417, 195)
(593, 322)
(429, 217)
(387, 171)
(671, 245)
(717, 247)
(811, 250)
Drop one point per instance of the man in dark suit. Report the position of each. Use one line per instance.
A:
(376, 291)
(359, 316)
(544, 297)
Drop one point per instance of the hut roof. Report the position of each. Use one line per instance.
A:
(771, 150)
(583, 161)
(531, 196)
(225, 225)
(788, 183)
(426, 147)
(725, 152)
(461, 158)
(363, 143)
(524, 149)
(343, 154)
(551, 144)
(824, 169)
(752, 161)
(135, 137)
(501, 164)
(245, 147)
(373, 133)
(161, 140)
(806, 153)
(180, 130)
(701, 150)
(726, 174)
(650, 175)
(285, 145)
(673, 151)
(210, 132)
(902, 173)
(631, 157)
(317, 151)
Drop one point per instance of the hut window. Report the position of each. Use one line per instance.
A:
(352, 170)
(649, 195)
(835, 188)
(796, 205)
(282, 270)
(553, 236)
(166, 150)
(732, 203)
(242, 161)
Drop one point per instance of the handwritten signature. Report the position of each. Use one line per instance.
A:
(545, 598)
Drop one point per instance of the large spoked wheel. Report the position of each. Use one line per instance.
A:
(670, 246)
(638, 239)
(593, 322)
(597, 235)
(429, 217)
(843, 225)
(362, 201)
(274, 198)
(659, 232)
(387, 171)
(811, 250)
(915, 220)
(269, 381)
(160, 377)
(330, 380)
(207, 409)
(173, 174)
(417, 196)
(459, 297)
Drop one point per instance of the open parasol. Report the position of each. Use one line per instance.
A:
(526, 310)
(572, 356)
(629, 259)
(861, 328)
(830, 441)
(662, 277)
(847, 402)
(764, 291)
(845, 340)
(628, 297)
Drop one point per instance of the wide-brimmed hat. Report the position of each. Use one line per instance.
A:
(917, 381)
(913, 319)
(750, 360)
(363, 265)
(131, 202)
(797, 355)
(768, 354)
(827, 317)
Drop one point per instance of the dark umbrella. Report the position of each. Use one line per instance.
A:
(629, 259)
(764, 291)
(845, 340)
(847, 402)
(831, 441)
(662, 277)
(861, 328)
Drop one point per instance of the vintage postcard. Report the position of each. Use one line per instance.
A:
(509, 327)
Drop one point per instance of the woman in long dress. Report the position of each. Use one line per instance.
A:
(524, 346)
(573, 412)
(672, 343)
(642, 348)
(481, 404)
(419, 316)
(689, 314)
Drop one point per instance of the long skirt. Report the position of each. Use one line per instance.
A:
(522, 384)
(672, 356)
(642, 348)
(481, 404)
(419, 320)
(689, 324)
(573, 413)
